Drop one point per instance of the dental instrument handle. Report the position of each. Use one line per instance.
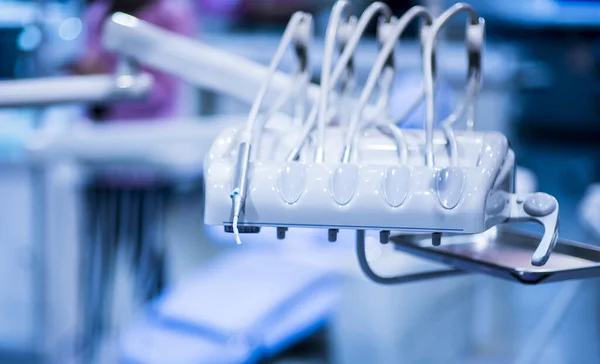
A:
(238, 194)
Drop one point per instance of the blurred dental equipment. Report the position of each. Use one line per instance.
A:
(142, 42)
(201, 65)
(75, 89)
(197, 63)
(164, 98)
(271, 301)
(175, 149)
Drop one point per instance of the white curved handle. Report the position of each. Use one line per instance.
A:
(543, 209)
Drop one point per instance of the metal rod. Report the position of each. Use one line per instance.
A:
(73, 89)
(406, 278)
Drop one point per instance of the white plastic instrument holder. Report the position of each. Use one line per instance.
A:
(538, 207)
(355, 176)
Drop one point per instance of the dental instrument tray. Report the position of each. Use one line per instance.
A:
(346, 163)
(506, 254)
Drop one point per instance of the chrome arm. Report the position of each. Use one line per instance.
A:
(74, 89)
(195, 62)
(361, 253)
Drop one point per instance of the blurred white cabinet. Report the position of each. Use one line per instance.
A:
(17, 258)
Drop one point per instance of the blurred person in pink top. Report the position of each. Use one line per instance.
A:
(172, 15)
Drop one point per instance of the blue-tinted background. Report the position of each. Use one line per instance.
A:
(541, 88)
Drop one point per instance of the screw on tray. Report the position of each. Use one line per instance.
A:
(384, 236)
(281, 232)
(332, 235)
(436, 239)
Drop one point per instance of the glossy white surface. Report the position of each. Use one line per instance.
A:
(540, 204)
(292, 182)
(396, 185)
(450, 184)
(344, 181)
(374, 193)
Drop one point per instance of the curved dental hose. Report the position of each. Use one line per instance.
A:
(474, 40)
(298, 90)
(379, 69)
(328, 81)
(333, 27)
(299, 30)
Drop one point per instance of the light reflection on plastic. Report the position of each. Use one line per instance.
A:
(125, 81)
(125, 20)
